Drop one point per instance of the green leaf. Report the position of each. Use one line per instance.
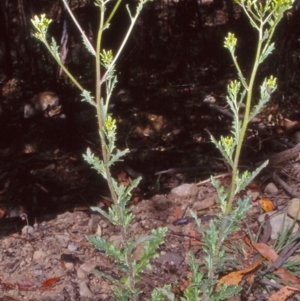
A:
(266, 53)
(225, 292)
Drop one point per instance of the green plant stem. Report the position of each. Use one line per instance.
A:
(244, 126)
(62, 66)
(112, 13)
(133, 20)
(78, 26)
(105, 154)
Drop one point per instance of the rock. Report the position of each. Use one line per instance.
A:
(39, 254)
(69, 266)
(28, 230)
(72, 247)
(170, 257)
(294, 208)
(185, 191)
(276, 221)
(84, 291)
(88, 266)
(81, 274)
(271, 188)
(46, 104)
(204, 204)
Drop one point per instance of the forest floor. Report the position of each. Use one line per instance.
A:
(45, 180)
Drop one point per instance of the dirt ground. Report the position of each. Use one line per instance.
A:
(47, 190)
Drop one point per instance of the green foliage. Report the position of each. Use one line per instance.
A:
(264, 17)
(118, 214)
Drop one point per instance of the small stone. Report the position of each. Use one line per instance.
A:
(39, 254)
(204, 204)
(88, 266)
(271, 188)
(81, 274)
(84, 291)
(185, 191)
(72, 247)
(69, 266)
(276, 221)
(294, 208)
(28, 230)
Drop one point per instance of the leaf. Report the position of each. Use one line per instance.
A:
(283, 294)
(268, 253)
(236, 277)
(266, 205)
(50, 282)
(267, 52)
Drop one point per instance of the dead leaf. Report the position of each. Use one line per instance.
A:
(49, 282)
(287, 276)
(236, 277)
(284, 293)
(266, 205)
(268, 253)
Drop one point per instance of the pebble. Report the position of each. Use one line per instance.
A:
(72, 247)
(271, 188)
(204, 204)
(84, 291)
(28, 230)
(88, 266)
(81, 274)
(276, 221)
(39, 254)
(294, 208)
(185, 191)
(69, 266)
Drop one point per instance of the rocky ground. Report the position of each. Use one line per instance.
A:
(47, 190)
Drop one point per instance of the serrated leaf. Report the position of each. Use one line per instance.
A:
(87, 45)
(266, 53)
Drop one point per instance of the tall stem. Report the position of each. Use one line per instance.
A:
(245, 122)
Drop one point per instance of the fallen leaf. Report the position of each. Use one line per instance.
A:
(50, 282)
(266, 205)
(268, 253)
(236, 277)
(284, 293)
(287, 276)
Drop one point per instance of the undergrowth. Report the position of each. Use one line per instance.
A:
(264, 17)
